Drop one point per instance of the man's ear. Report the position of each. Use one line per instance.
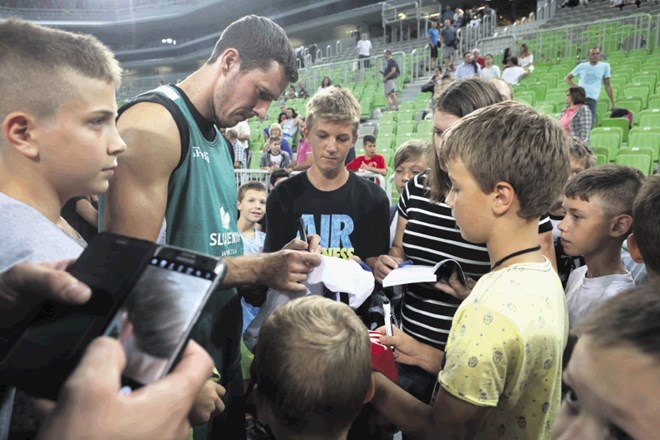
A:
(634, 249)
(621, 224)
(230, 59)
(18, 129)
(503, 197)
(372, 389)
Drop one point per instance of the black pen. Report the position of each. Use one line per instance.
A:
(301, 229)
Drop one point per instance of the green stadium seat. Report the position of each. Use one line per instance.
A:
(388, 117)
(406, 127)
(645, 139)
(386, 128)
(632, 104)
(606, 137)
(641, 91)
(384, 143)
(650, 118)
(601, 159)
(255, 157)
(618, 122)
(640, 161)
(527, 97)
(647, 151)
(654, 102)
(425, 128)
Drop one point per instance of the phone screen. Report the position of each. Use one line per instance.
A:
(157, 315)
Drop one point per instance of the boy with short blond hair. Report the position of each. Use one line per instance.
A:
(598, 204)
(312, 369)
(348, 212)
(644, 242)
(501, 375)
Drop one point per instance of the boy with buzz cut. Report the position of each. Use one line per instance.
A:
(598, 204)
(370, 161)
(501, 374)
(328, 348)
(644, 242)
(59, 138)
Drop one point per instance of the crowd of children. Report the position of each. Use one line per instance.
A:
(494, 366)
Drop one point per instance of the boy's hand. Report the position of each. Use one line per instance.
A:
(384, 265)
(455, 288)
(208, 403)
(410, 351)
(90, 406)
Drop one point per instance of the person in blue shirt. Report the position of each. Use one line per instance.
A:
(592, 75)
(433, 34)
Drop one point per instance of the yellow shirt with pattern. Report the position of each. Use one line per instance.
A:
(505, 351)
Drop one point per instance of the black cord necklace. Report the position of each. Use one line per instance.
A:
(515, 254)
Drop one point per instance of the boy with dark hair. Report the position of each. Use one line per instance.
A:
(612, 376)
(277, 177)
(501, 374)
(327, 346)
(598, 204)
(369, 161)
(644, 242)
(582, 158)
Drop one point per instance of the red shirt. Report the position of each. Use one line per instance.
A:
(377, 161)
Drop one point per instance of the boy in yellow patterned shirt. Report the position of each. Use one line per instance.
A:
(501, 372)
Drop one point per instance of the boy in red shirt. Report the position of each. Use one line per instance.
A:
(369, 161)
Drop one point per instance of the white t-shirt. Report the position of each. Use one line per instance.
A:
(364, 47)
(512, 74)
(583, 294)
(276, 160)
(242, 129)
(490, 72)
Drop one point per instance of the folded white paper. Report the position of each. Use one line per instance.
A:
(415, 273)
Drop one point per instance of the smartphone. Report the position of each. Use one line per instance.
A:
(154, 322)
(147, 296)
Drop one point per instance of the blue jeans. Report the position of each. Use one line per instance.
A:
(593, 106)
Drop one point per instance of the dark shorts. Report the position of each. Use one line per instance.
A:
(434, 51)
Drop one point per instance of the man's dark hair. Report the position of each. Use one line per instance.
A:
(368, 139)
(259, 41)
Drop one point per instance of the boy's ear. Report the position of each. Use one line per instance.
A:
(18, 131)
(621, 224)
(634, 249)
(503, 197)
(371, 391)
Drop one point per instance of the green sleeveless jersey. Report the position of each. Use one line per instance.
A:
(201, 200)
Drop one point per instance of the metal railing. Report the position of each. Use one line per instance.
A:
(573, 41)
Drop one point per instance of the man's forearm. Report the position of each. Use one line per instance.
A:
(243, 270)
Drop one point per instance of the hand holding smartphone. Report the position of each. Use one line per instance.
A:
(147, 296)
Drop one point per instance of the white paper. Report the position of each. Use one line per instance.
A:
(414, 273)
